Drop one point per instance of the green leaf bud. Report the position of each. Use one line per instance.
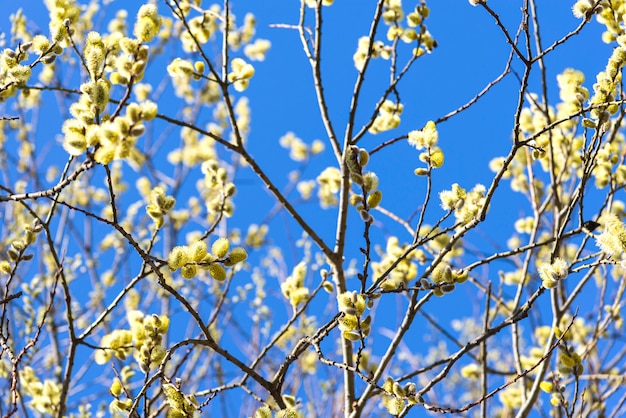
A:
(387, 285)
(414, 19)
(566, 360)
(142, 53)
(447, 287)
(230, 190)
(19, 74)
(564, 370)
(49, 59)
(410, 388)
(122, 125)
(375, 296)
(228, 209)
(19, 245)
(351, 336)
(100, 94)
(237, 255)
(144, 365)
(409, 35)
(188, 271)
(222, 175)
(37, 226)
(263, 412)
(290, 400)
(133, 111)
(180, 68)
(197, 251)
(374, 199)
(367, 322)
(546, 386)
(157, 355)
(241, 69)
(351, 300)
(129, 46)
(398, 390)
(74, 142)
(175, 399)
(461, 276)
(436, 158)
(365, 216)
(356, 178)
(119, 79)
(388, 385)
(578, 369)
(370, 182)
(162, 323)
(164, 203)
(137, 130)
(116, 388)
(40, 44)
(352, 155)
(555, 399)
(148, 110)
(349, 310)
(12, 254)
(199, 67)
(178, 257)
(148, 23)
(122, 405)
(558, 332)
(424, 138)
(588, 123)
(328, 287)
(154, 211)
(364, 157)
(356, 199)
(217, 272)
(207, 260)
(220, 247)
(95, 52)
(138, 67)
(549, 284)
(538, 153)
(12, 57)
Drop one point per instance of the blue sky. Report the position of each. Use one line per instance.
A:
(471, 53)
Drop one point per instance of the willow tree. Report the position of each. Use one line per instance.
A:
(165, 253)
